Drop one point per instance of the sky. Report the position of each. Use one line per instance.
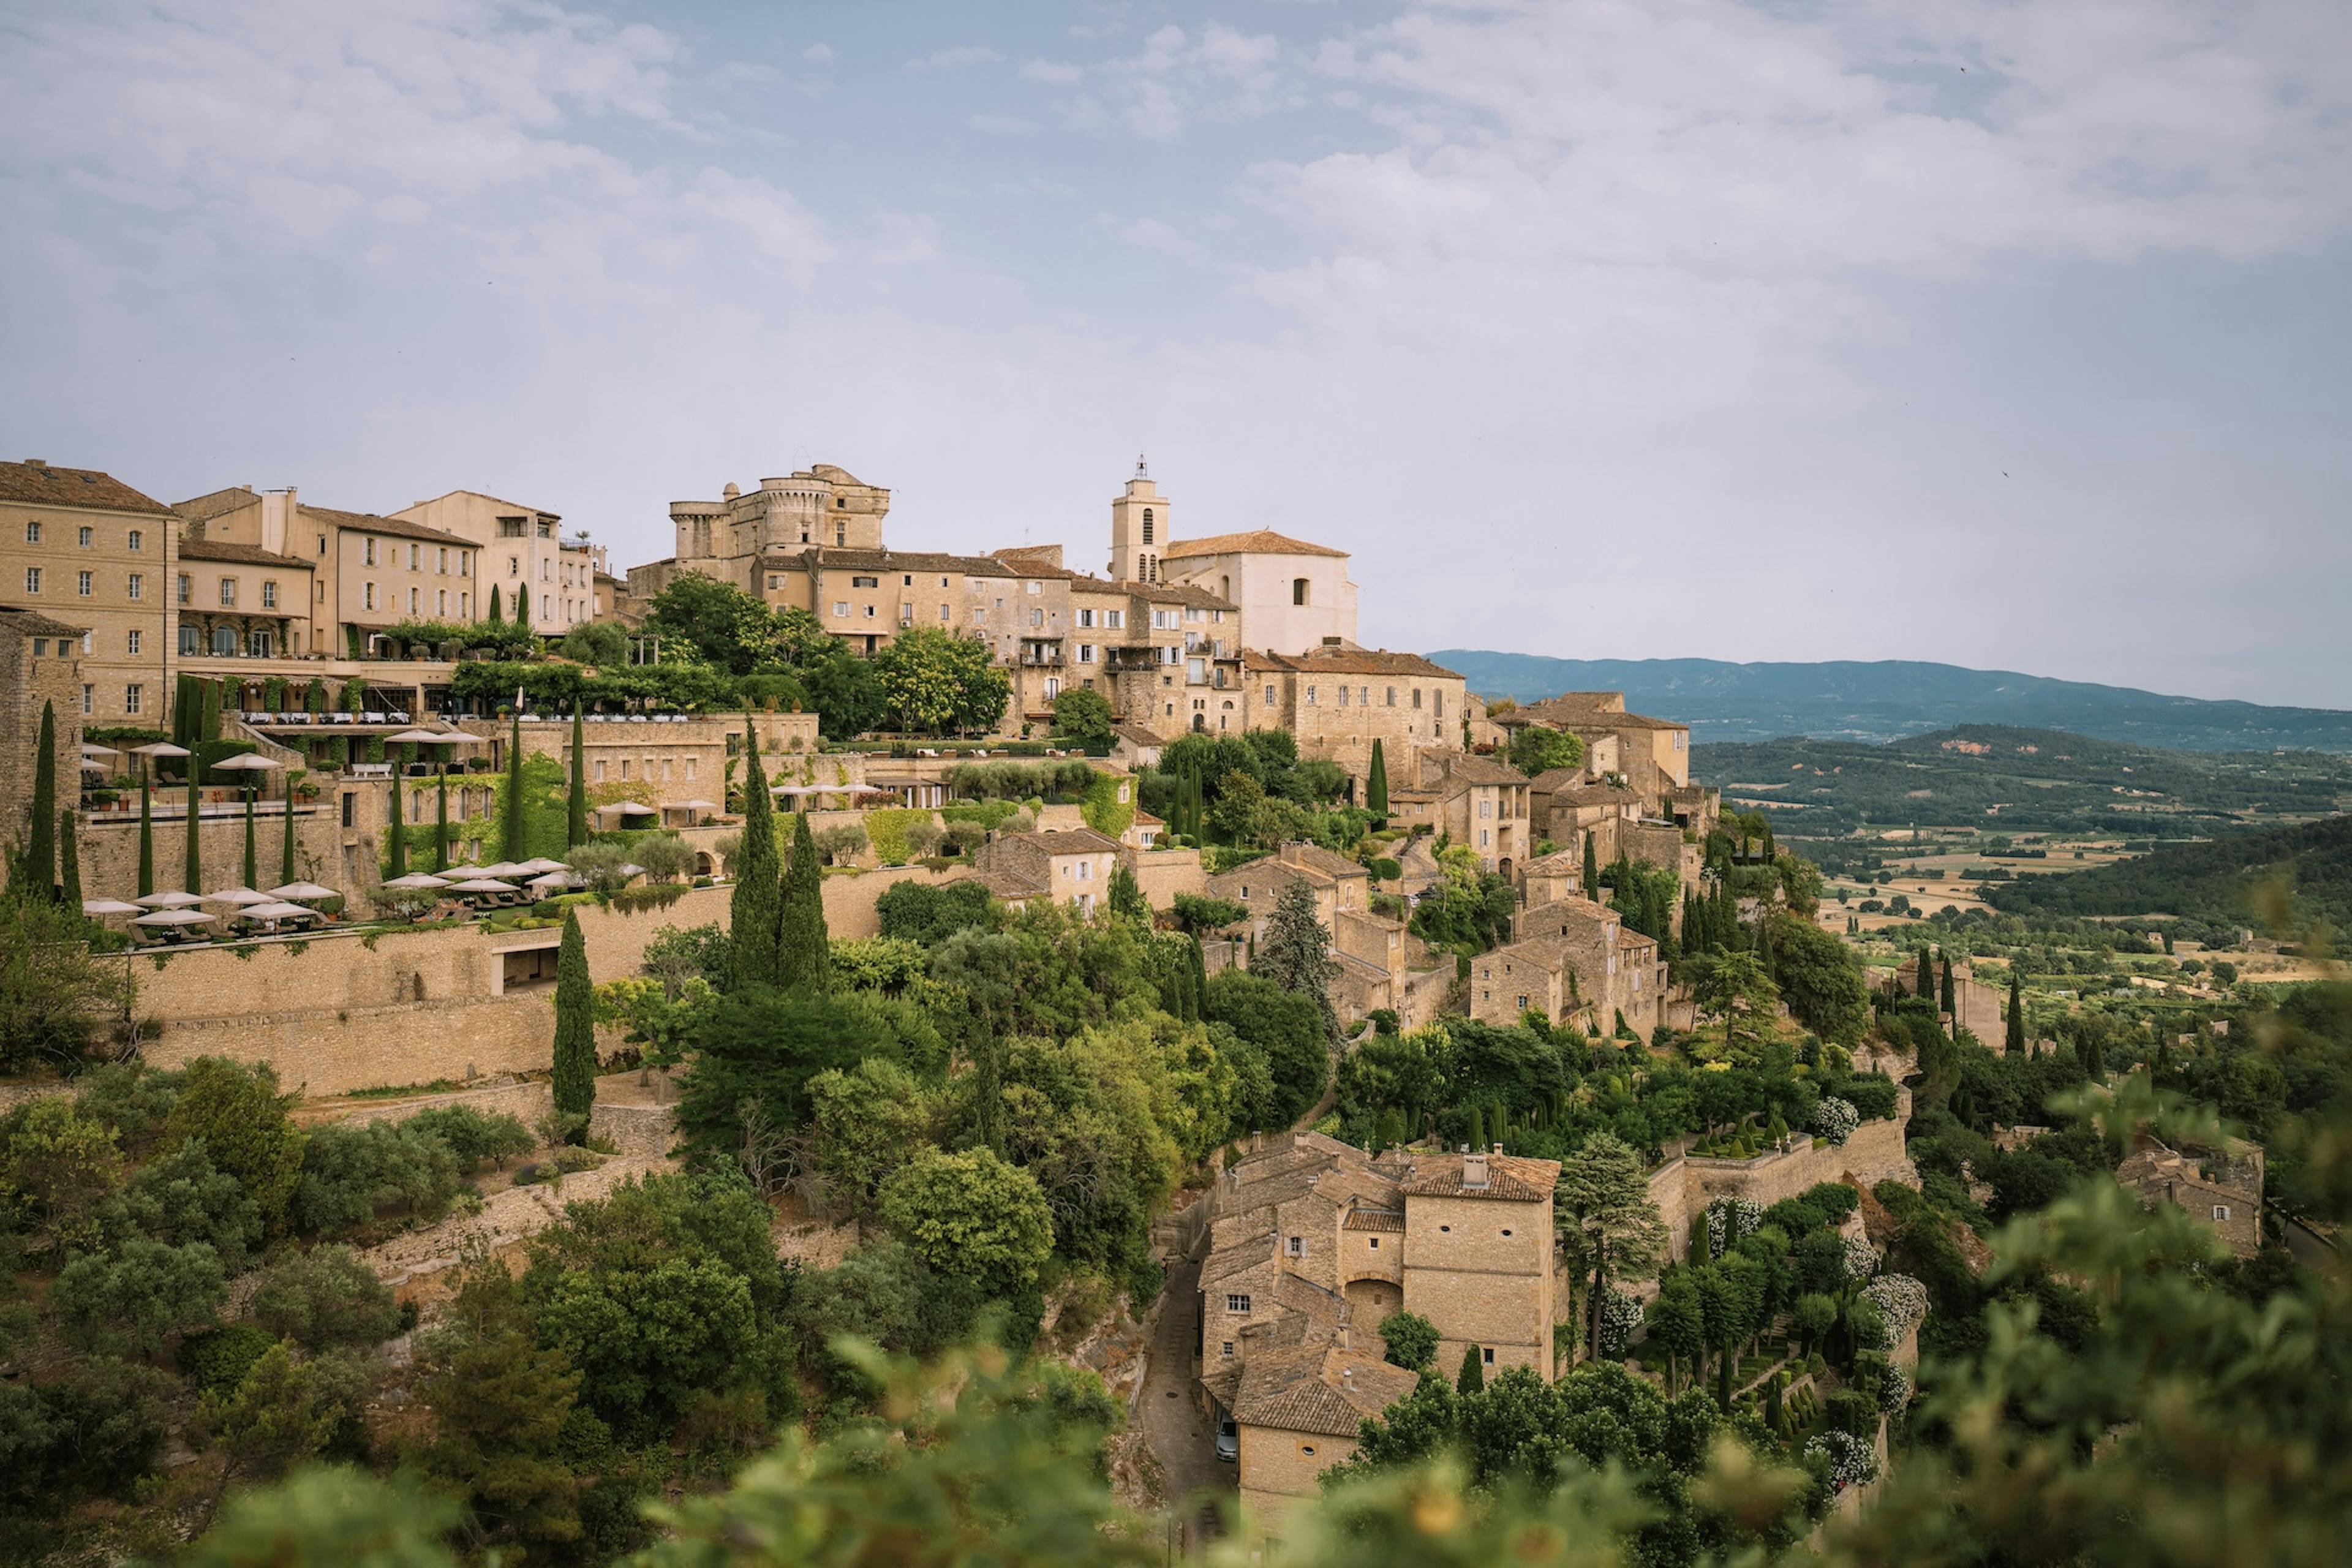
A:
(2006, 334)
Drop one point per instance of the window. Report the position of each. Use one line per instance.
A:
(1086, 653)
(367, 552)
(82, 583)
(32, 533)
(2220, 1211)
(1035, 588)
(1487, 1355)
(547, 571)
(943, 615)
(1296, 1246)
(440, 602)
(464, 601)
(132, 641)
(1240, 1303)
(625, 767)
(442, 564)
(1114, 619)
(509, 528)
(1086, 618)
(187, 641)
(224, 642)
(134, 539)
(83, 537)
(1311, 697)
(416, 598)
(88, 699)
(257, 644)
(351, 809)
(1269, 696)
(1307, 1449)
(1147, 525)
(367, 596)
(1416, 697)
(840, 534)
(1229, 1348)
(599, 770)
(869, 612)
(188, 588)
(866, 582)
(1343, 697)
(269, 595)
(416, 556)
(514, 565)
(134, 586)
(133, 699)
(1375, 1243)
(228, 592)
(1298, 590)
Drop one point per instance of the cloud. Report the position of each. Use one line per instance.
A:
(1002, 124)
(962, 55)
(1054, 73)
(818, 54)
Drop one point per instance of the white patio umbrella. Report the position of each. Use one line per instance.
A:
(245, 762)
(239, 896)
(481, 884)
(173, 917)
(292, 891)
(95, 906)
(630, 869)
(541, 866)
(276, 912)
(92, 749)
(174, 899)
(159, 748)
(420, 880)
(556, 882)
(497, 869)
(421, 737)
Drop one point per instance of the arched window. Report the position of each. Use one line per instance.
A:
(224, 642)
(1298, 590)
(1147, 525)
(189, 644)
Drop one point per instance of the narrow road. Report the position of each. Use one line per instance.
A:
(1169, 1411)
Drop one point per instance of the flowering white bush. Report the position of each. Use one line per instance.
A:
(1894, 1390)
(1901, 1300)
(1861, 1258)
(1852, 1460)
(1729, 1221)
(1621, 1313)
(1836, 1119)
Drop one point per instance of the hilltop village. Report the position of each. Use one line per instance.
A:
(1318, 1064)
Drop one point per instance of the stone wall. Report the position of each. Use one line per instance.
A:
(1161, 874)
(1683, 1186)
(108, 845)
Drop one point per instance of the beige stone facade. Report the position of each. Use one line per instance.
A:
(522, 547)
(1338, 700)
(2220, 1186)
(727, 539)
(1683, 1186)
(88, 551)
(1478, 802)
(1293, 595)
(40, 667)
(1574, 963)
(1380, 965)
(1650, 756)
(1072, 866)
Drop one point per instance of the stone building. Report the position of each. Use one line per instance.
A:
(1649, 756)
(1311, 1242)
(1380, 965)
(1072, 866)
(728, 539)
(2222, 1186)
(1478, 801)
(1293, 595)
(1576, 964)
(40, 666)
(1338, 698)
(87, 549)
(522, 547)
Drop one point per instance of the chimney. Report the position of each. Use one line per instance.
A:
(1474, 1172)
(276, 518)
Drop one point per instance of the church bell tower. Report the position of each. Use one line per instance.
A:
(1139, 529)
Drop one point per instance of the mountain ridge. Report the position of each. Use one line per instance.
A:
(1888, 700)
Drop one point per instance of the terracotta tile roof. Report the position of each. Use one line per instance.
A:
(1348, 661)
(1557, 861)
(369, 523)
(1384, 1220)
(1029, 561)
(32, 623)
(1553, 780)
(1072, 841)
(1259, 541)
(82, 489)
(834, 559)
(1583, 908)
(215, 503)
(195, 549)
(1137, 735)
(1317, 858)
(515, 506)
(1512, 1177)
(1318, 1388)
(1463, 767)
(1597, 795)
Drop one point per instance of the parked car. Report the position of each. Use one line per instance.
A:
(1229, 1440)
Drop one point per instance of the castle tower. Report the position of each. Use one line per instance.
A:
(1139, 529)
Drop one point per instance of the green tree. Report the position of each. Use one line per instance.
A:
(724, 626)
(1471, 1378)
(192, 871)
(575, 799)
(1606, 1211)
(285, 1410)
(523, 604)
(2013, 1039)
(497, 611)
(146, 838)
(440, 832)
(1945, 998)
(40, 857)
(238, 1111)
(55, 991)
(1296, 956)
(1535, 749)
(511, 845)
(1376, 782)
(1083, 716)
(138, 1295)
(286, 871)
(933, 680)
(1820, 979)
(803, 945)
(1284, 1032)
(972, 1216)
(869, 1120)
(576, 1028)
(69, 861)
(755, 908)
(1813, 1318)
(1591, 867)
(1677, 1326)
(1410, 1339)
(1733, 986)
(1127, 898)
(56, 1169)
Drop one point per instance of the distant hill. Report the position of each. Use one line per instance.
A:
(1886, 700)
(2213, 882)
(2004, 779)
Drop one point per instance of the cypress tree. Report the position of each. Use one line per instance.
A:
(398, 832)
(754, 915)
(209, 728)
(146, 838)
(497, 616)
(2092, 1062)
(1376, 782)
(576, 1026)
(1472, 1379)
(252, 861)
(195, 870)
(1926, 989)
(1478, 1132)
(68, 862)
(576, 800)
(510, 839)
(2013, 1041)
(441, 828)
(285, 852)
(1592, 889)
(39, 867)
(803, 946)
(522, 605)
(1947, 997)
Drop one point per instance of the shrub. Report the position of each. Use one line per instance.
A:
(238, 1111)
(472, 1136)
(1835, 1119)
(352, 1175)
(325, 1298)
(138, 1295)
(839, 843)
(1412, 1340)
(217, 1360)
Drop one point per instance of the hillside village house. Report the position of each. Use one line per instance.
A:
(1650, 756)
(1071, 866)
(1381, 964)
(522, 547)
(1574, 963)
(1480, 802)
(1338, 698)
(88, 551)
(1312, 1242)
(2221, 1186)
(40, 665)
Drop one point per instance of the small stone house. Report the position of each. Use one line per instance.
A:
(1070, 866)
(2221, 1186)
(1575, 962)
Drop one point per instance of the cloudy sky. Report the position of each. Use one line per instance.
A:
(2011, 335)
